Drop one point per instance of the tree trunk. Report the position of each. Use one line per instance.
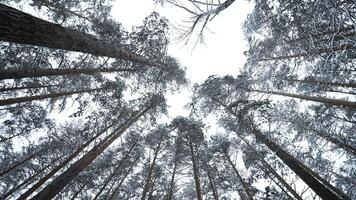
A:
(339, 91)
(78, 192)
(17, 164)
(117, 168)
(334, 102)
(271, 170)
(62, 180)
(327, 83)
(315, 183)
(122, 180)
(171, 185)
(150, 171)
(28, 180)
(24, 87)
(239, 177)
(22, 28)
(211, 182)
(195, 173)
(61, 165)
(44, 96)
(32, 73)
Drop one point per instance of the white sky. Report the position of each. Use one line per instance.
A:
(221, 54)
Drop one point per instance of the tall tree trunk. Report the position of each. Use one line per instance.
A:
(62, 180)
(122, 180)
(12, 167)
(171, 185)
(117, 168)
(239, 177)
(24, 87)
(78, 192)
(271, 170)
(308, 54)
(211, 182)
(317, 184)
(22, 28)
(150, 171)
(28, 180)
(61, 165)
(334, 102)
(32, 73)
(339, 91)
(195, 173)
(44, 96)
(327, 83)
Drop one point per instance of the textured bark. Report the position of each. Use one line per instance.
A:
(150, 171)
(195, 173)
(60, 166)
(28, 180)
(317, 184)
(239, 177)
(327, 83)
(117, 168)
(271, 170)
(32, 73)
(62, 180)
(333, 102)
(22, 28)
(44, 96)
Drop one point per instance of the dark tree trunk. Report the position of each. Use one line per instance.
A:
(171, 185)
(239, 177)
(317, 184)
(62, 180)
(150, 171)
(333, 102)
(44, 96)
(195, 173)
(32, 73)
(60, 166)
(17, 164)
(326, 83)
(22, 28)
(117, 168)
(271, 170)
(24, 87)
(78, 192)
(211, 182)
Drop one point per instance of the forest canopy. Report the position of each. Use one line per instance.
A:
(84, 111)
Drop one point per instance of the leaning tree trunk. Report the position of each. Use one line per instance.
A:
(22, 28)
(62, 180)
(44, 96)
(61, 165)
(117, 168)
(16, 165)
(326, 83)
(271, 170)
(317, 184)
(28, 180)
(78, 192)
(150, 171)
(122, 180)
(23, 87)
(211, 182)
(334, 102)
(239, 177)
(171, 185)
(32, 73)
(195, 173)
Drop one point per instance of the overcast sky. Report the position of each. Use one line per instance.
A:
(221, 54)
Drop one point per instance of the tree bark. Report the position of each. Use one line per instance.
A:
(150, 171)
(195, 173)
(117, 168)
(315, 183)
(333, 102)
(44, 96)
(22, 28)
(239, 177)
(61, 165)
(62, 180)
(24, 87)
(171, 185)
(32, 73)
(271, 170)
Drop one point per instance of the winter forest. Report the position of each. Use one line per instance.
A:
(84, 111)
